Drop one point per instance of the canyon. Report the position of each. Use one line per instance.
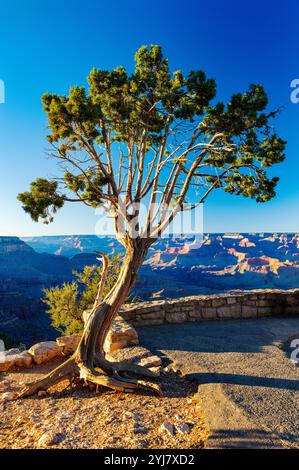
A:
(175, 267)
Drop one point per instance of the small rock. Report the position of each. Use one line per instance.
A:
(141, 443)
(8, 359)
(4, 386)
(20, 420)
(156, 371)
(167, 427)
(168, 370)
(111, 419)
(182, 427)
(12, 352)
(35, 419)
(68, 344)
(140, 429)
(8, 396)
(132, 415)
(42, 393)
(75, 430)
(50, 438)
(152, 361)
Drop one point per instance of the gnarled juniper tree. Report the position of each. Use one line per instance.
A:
(152, 136)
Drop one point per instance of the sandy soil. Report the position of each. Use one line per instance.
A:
(83, 418)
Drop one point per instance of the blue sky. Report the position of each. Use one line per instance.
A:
(50, 45)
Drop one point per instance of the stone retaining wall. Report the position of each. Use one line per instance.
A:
(241, 304)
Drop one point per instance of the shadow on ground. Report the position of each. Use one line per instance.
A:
(249, 380)
(241, 438)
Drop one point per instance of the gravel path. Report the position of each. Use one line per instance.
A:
(247, 382)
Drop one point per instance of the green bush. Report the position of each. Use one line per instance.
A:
(66, 303)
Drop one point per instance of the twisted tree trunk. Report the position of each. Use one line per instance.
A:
(89, 362)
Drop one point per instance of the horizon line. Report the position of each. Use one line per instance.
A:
(252, 232)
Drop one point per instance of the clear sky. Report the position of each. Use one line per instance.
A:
(50, 45)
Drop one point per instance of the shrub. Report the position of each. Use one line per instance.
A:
(67, 302)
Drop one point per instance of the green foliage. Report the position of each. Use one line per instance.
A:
(66, 303)
(128, 108)
(41, 200)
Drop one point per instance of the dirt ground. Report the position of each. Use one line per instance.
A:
(83, 418)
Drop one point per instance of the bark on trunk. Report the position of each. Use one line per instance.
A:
(102, 315)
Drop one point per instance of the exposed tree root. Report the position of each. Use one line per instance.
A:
(68, 369)
(115, 378)
(123, 366)
(114, 375)
(116, 382)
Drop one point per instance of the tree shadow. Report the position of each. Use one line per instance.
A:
(246, 439)
(238, 379)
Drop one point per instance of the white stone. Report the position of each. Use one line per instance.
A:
(120, 335)
(45, 351)
(182, 427)
(24, 359)
(6, 364)
(8, 358)
(8, 396)
(152, 361)
(156, 371)
(50, 438)
(4, 386)
(68, 344)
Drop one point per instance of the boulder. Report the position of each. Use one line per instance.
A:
(45, 351)
(5, 364)
(120, 335)
(68, 344)
(8, 358)
(23, 359)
